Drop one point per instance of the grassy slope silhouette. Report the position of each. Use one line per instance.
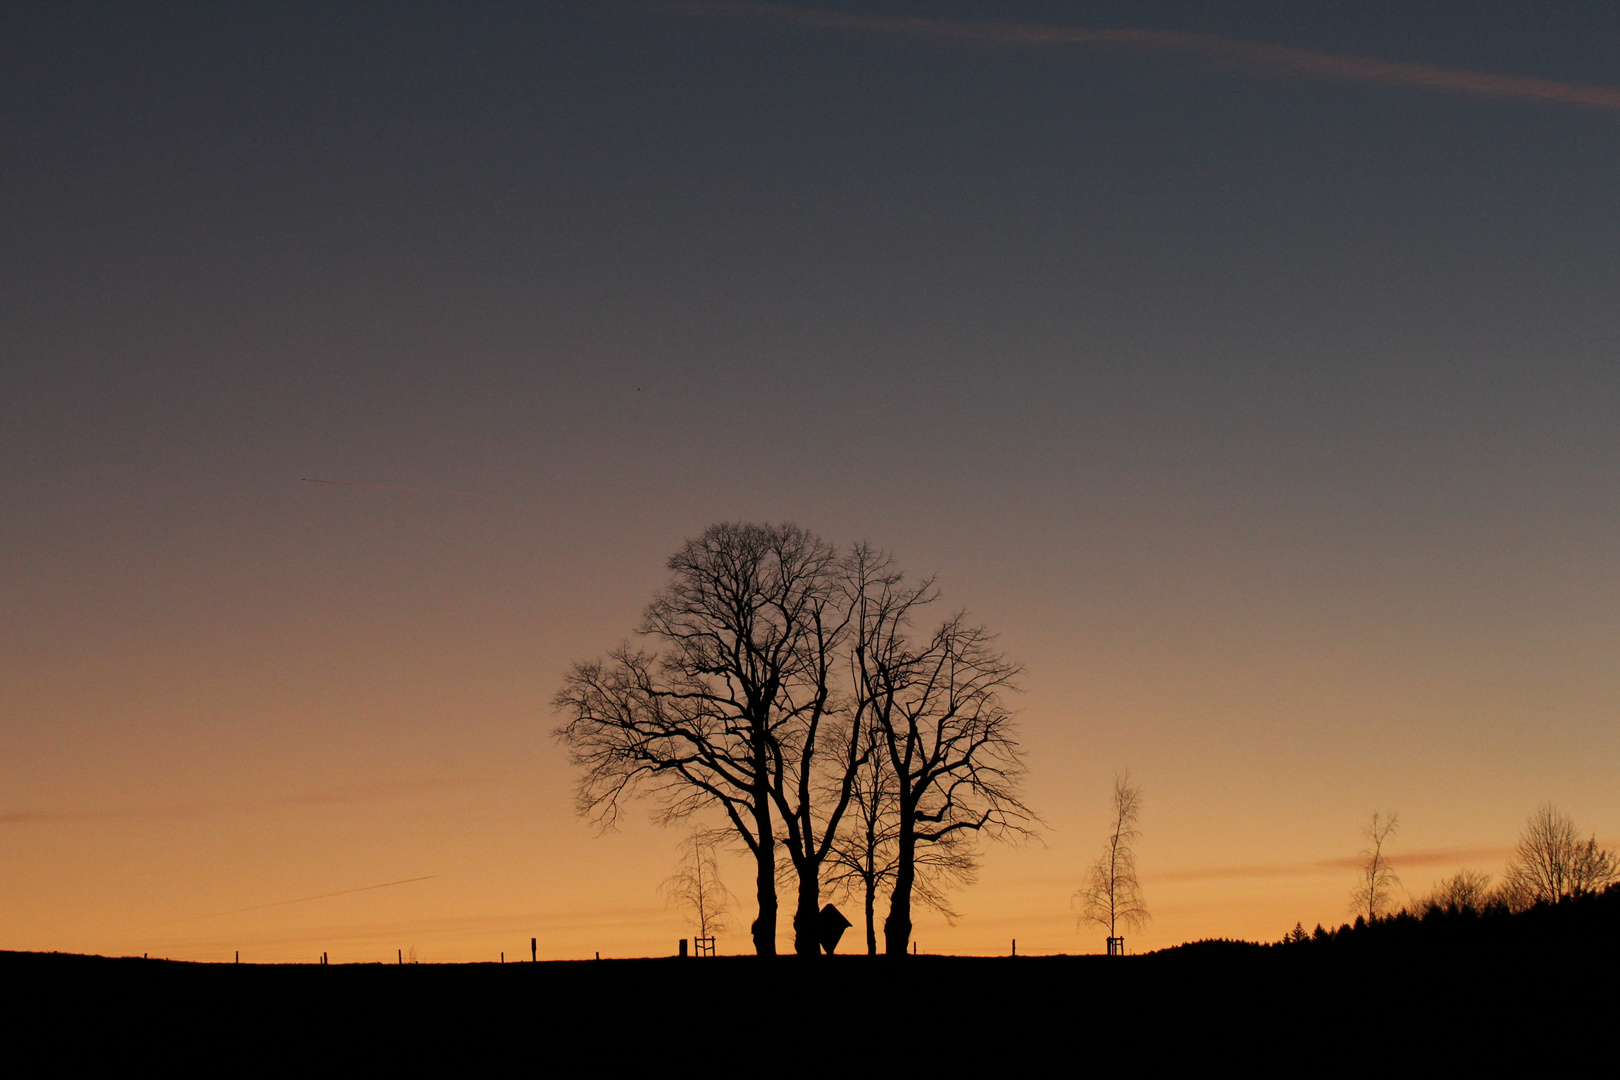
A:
(1441, 991)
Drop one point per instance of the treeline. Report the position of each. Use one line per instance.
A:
(1590, 921)
(1555, 881)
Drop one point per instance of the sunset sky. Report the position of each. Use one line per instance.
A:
(1252, 369)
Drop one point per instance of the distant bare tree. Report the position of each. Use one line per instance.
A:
(1595, 868)
(1466, 890)
(696, 886)
(1112, 895)
(1374, 894)
(1552, 863)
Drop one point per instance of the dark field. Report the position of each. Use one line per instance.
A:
(1433, 1002)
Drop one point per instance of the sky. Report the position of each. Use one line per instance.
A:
(1249, 369)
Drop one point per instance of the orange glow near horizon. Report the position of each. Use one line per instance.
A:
(348, 768)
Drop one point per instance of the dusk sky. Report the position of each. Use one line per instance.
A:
(1253, 374)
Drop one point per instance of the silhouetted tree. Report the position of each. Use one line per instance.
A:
(1374, 893)
(775, 659)
(1464, 891)
(696, 886)
(732, 700)
(862, 857)
(865, 857)
(938, 717)
(1112, 895)
(820, 752)
(1552, 863)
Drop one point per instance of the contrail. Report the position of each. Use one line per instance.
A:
(1208, 51)
(284, 903)
(386, 487)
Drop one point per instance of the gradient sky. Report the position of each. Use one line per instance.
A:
(1253, 373)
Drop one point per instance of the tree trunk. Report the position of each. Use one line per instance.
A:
(869, 880)
(806, 941)
(897, 927)
(764, 928)
(871, 914)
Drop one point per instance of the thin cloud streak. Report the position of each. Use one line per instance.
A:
(438, 938)
(284, 903)
(55, 817)
(1441, 857)
(1207, 52)
(437, 927)
(334, 797)
(385, 487)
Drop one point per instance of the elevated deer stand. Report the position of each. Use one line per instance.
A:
(830, 926)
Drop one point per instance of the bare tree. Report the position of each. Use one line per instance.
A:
(1374, 893)
(865, 857)
(818, 753)
(1112, 896)
(734, 695)
(696, 886)
(1466, 890)
(1595, 868)
(1552, 863)
(940, 721)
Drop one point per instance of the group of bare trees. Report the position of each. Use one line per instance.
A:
(1550, 863)
(786, 687)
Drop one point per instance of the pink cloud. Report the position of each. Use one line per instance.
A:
(1441, 858)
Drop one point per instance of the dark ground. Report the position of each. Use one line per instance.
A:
(1446, 1007)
